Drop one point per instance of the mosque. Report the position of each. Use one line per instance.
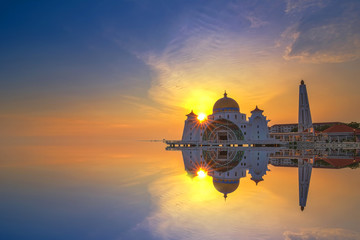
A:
(218, 145)
(227, 124)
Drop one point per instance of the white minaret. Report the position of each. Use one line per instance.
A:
(305, 169)
(305, 121)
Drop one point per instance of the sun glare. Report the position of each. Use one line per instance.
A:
(201, 117)
(201, 173)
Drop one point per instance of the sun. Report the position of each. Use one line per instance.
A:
(201, 173)
(201, 117)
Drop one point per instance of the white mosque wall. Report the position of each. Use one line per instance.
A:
(258, 164)
(192, 130)
(258, 127)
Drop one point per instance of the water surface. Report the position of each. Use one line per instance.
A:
(132, 190)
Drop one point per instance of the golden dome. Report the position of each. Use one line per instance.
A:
(225, 186)
(226, 104)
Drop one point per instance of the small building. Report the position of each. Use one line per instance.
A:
(341, 133)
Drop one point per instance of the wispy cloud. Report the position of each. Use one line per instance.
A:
(256, 22)
(328, 34)
(301, 5)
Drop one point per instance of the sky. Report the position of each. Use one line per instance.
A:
(133, 69)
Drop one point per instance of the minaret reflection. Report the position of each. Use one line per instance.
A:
(305, 168)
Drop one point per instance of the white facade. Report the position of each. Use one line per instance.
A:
(258, 165)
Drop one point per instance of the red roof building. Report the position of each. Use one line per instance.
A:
(342, 132)
(341, 128)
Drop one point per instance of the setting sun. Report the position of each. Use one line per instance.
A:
(201, 117)
(201, 173)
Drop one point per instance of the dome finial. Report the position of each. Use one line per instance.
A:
(225, 94)
(225, 196)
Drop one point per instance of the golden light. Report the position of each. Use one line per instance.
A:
(201, 173)
(201, 117)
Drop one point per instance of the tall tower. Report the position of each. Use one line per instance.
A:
(305, 168)
(305, 121)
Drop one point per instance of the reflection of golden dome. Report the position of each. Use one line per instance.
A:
(225, 186)
(226, 104)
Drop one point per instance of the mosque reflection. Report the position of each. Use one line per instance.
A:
(228, 165)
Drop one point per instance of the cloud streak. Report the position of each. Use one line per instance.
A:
(322, 234)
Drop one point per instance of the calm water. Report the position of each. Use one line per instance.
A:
(132, 190)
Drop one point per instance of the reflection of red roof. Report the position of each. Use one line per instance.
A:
(340, 162)
(341, 128)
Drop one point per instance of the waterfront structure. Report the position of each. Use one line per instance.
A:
(227, 124)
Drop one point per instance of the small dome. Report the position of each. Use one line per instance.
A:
(192, 115)
(257, 110)
(226, 104)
